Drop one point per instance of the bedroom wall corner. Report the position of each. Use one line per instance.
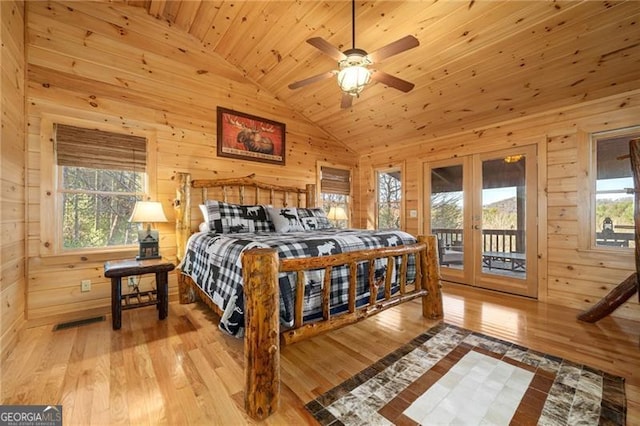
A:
(568, 275)
(150, 79)
(12, 176)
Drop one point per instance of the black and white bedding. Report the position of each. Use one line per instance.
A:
(213, 261)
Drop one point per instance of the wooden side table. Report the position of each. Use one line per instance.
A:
(125, 268)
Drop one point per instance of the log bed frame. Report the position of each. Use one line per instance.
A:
(260, 275)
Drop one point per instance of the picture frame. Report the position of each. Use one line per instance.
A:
(248, 137)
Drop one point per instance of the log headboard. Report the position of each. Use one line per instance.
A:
(244, 190)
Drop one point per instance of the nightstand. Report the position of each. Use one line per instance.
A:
(118, 269)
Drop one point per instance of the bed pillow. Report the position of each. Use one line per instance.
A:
(285, 219)
(314, 219)
(205, 215)
(227, 218)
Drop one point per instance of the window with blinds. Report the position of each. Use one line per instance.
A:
(100, 177)
(335, 192)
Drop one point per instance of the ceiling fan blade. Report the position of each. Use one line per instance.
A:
(327, 48)
(391, 81)
(315, 78)
(346, 101)
(398, 46)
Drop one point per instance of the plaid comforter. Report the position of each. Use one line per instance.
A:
(214, 263)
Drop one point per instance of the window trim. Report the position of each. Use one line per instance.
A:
(385, 169)
(50, 242)
(587, 189)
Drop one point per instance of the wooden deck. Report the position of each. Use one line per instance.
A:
(501, 260)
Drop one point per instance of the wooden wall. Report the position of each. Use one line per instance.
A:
(569, 274)
(12, 174)
(109, 65)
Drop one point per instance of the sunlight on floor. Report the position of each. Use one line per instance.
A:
(490, 315)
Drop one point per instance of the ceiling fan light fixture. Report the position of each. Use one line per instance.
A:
(354, 73)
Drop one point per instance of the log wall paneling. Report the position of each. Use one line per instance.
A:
(569, 273)
(112, 66)
(12, 176)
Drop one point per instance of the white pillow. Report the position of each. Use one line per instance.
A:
(204, 227)
(285, 219)
(205, 213)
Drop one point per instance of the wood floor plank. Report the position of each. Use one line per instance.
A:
(185, 371)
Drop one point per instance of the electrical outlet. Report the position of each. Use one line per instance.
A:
(133, 281)
(85, 285)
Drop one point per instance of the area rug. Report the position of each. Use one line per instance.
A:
(453, 376)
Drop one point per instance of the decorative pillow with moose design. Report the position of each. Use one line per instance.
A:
(314, 219)
(227, 218)
(285, 219)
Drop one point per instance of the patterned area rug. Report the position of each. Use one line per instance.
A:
(450, 375)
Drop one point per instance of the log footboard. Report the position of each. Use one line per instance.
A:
(260, 274)
(263, 336)
(260, 269)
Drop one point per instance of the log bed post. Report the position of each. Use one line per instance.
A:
(262, 332)
(431, 303)
(310, 201)
(182, 207)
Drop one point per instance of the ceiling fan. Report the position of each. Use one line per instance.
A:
(354, 71)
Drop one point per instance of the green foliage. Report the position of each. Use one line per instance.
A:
(620, 211)
(497, 218)
(96, 207)
(389, 216)
(446, 210)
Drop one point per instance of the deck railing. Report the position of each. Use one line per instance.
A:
(511, 240)
(493, 240)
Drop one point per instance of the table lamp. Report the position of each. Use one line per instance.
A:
(336, 213)
(149, 212)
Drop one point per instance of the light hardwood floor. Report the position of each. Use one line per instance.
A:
(184, 371)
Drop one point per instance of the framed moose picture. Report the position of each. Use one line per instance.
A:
(248, 137)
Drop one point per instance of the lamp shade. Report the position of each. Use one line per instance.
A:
(148, 211)
(354, 74)
(353, 79)
(337, 213)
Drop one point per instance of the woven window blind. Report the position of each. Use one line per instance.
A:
(335, 181)
(97, 149)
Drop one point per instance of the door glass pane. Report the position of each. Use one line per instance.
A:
(503, 216)
(447, 214)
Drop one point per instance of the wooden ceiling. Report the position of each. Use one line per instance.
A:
(478, 63)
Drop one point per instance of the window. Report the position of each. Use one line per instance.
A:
(100, 177)
(335, 192)
(613, 203)
(388, 198)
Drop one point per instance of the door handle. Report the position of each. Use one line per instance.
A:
(476, 227)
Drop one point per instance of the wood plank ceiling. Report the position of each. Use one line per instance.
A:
(478, 63)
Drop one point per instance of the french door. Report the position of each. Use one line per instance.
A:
(483, 209)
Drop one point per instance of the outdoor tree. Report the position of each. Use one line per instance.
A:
(446, 210)
(97, 204)
(389, 198)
